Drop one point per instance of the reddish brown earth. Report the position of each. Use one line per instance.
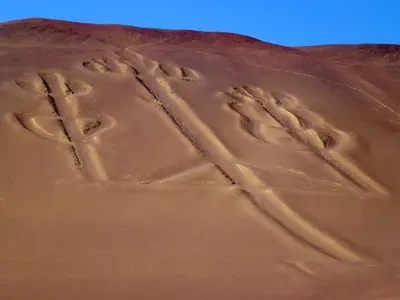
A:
(156, 164)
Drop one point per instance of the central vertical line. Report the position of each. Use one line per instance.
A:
(87, 156)
(61, 122)
(265, 200)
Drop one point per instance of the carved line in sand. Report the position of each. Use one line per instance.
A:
(79, 133)
(204, 139)
(326, 141)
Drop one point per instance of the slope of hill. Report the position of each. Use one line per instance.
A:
(163, 164)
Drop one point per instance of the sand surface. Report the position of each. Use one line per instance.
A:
(154, 164)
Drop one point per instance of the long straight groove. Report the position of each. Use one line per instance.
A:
(267, 202)
(85, 156)
(53, 104)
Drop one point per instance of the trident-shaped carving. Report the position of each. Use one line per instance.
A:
(310, 129)
(65, 124)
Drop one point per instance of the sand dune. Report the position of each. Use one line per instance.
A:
(156, 164)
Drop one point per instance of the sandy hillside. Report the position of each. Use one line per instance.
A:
(154, 164)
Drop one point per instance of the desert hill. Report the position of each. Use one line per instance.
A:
(174, 164)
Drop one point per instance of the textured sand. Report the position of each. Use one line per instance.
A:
(154, 164)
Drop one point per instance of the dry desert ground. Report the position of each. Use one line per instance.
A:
(154, 164)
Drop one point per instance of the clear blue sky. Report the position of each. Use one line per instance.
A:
(285, 22)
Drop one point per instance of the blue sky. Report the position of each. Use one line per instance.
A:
(285, 22)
